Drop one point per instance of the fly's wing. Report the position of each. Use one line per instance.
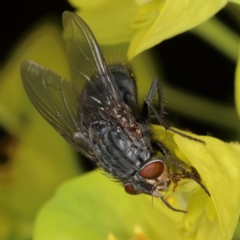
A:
(86, 61)
(56, 99)
(62, 103)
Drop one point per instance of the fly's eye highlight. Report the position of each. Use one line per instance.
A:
(152, 171)
(130, 189)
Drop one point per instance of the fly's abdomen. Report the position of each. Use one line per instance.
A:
(116, 151)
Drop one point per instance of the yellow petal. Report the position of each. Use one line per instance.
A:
(139, 234)
(218, 164)
(80, 206)
(174, 18)
(87, 4)
(143, 23)
(110, 21)
(111, 237)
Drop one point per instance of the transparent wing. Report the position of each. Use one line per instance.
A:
(55, 99)
(86, 61)
(92, 94)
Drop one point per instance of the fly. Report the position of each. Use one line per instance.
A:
(94, 113)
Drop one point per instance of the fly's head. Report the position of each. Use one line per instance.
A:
(152, 177)
(155, 177)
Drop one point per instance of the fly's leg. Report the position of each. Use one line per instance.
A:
(175, 178)
(147, 106)
(144, 115)
(159, 195)
(186, 174)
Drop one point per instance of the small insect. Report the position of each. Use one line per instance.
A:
(94, 113)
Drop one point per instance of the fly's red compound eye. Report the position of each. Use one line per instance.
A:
(152, 171)
(130, 190)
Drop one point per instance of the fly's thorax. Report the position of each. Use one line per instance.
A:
(151, 178)
(124, 79)
(100, 105)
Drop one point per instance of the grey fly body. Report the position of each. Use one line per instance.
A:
(94, 113)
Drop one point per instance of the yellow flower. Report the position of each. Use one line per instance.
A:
(143, 23)
(94, 207)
